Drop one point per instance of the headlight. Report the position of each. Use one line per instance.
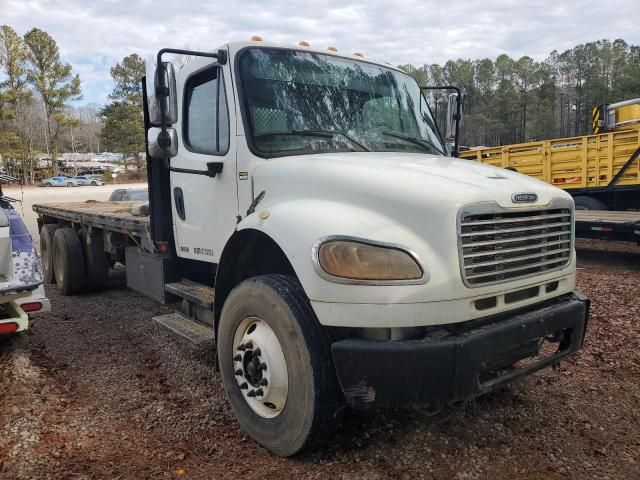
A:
(361, 261)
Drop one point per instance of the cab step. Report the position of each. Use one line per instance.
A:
(193, 292)
(196, 332)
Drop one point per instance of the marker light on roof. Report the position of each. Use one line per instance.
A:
(256, 38)
(332, 49)
(303, 43)
(358, 54)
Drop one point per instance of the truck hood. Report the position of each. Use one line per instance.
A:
(409, 200)
(400, 177)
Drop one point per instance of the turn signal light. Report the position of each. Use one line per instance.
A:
(8, 327)
(31, 307)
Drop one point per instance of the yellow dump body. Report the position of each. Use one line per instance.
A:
(576, 162)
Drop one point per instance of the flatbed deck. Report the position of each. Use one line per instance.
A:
(608, 225)
(112, 216)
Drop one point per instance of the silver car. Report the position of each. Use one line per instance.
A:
(87, 180)
(59, 182)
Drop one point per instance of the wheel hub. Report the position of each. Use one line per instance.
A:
(260, 367)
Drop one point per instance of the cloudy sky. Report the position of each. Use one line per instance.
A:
(93, 35)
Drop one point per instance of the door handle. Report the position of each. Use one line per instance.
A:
(179, 201)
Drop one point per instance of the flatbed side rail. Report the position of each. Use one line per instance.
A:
(608, 225)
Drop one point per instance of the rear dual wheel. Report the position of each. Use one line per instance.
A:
(97, 266)
(75, 262)
(68, 261)
(46, 251)
(275, 362)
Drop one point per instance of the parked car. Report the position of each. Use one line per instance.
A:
(87, 180)
(124, 194)
(60, 181)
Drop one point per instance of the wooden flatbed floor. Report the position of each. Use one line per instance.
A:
(113, 216)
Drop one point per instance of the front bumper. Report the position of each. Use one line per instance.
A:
(476, 359)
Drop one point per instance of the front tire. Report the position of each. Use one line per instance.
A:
(270, 338)
(589, 203)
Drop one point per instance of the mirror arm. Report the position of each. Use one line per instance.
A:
(162, 91)
(458, 115)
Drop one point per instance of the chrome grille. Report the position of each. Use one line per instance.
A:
(501, 246)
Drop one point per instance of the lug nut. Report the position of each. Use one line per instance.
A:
(257, 352)
(238, 372)
(264, 382)
(259, 392)
(244, 386)
(263, 366)
(248, 345)
(241, 347)
(237, 358)
(252, 393)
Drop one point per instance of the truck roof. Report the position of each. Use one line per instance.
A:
(235, 46)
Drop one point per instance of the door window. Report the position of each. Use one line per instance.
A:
(206, 116)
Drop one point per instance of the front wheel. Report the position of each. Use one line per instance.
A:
(589, 203)
(69, 184)
(275, 361)
(95, 184)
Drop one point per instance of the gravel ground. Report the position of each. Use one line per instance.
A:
(97, 390)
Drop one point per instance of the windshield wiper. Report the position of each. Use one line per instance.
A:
(321, 134)
(415, 141)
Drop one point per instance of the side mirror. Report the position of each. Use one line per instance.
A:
(153, 100)
(452, 122)
(157, 142)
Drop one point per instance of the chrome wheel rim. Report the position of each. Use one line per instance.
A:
(260, 367)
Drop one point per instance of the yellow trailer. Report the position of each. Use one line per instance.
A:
(601, 171)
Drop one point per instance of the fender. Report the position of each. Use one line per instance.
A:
(295, 225)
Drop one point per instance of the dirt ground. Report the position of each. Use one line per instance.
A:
(96, 390)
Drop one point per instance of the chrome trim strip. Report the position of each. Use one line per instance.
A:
(350, 281)
(515, 230)
(518, 259)
(518, 239)
(515, 220)
(512, 250)
(493, 208)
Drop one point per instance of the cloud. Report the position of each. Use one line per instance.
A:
(94, 35)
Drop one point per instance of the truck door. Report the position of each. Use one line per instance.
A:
(204, 206)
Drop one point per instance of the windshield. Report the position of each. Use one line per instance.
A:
(304, 102)
(138, 195)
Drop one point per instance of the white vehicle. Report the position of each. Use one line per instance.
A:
(21, 290)
(87, 180)
(59, 181)
(305, 210)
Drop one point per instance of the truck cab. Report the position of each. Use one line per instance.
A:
(304, 206)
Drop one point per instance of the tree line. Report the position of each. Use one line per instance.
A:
(509, 100)
(39, 113)
(506, 100)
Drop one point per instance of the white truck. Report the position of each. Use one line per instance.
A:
(304, 209)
